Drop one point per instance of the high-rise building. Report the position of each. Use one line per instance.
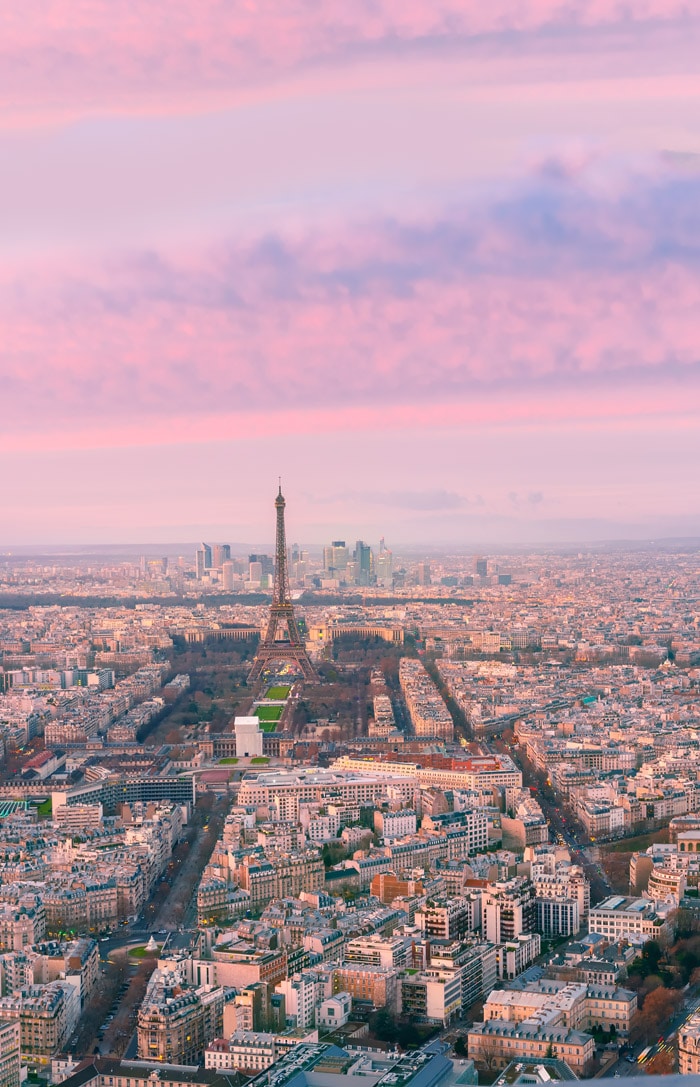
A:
(482, 567)
(364, 563)
(384, 565)
(227, 575)
(220, 553)
(336, 558)
(202, 559)
(509, 910)
(266, 562)
(423, 573)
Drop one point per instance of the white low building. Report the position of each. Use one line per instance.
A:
(334, 1012)
(249, 737)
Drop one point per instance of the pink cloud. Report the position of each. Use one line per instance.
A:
(551, 302)
(591, 409)
(440, 340)
(93, 54)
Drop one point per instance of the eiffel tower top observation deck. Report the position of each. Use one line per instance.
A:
(273, 647)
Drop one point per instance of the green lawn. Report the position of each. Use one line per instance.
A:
(44, 809)
(278, 693)
(268, 726)
(141, 952)
(259, 760)
(228, 762)
(268, 713)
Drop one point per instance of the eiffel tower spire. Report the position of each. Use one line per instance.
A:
(272, 647)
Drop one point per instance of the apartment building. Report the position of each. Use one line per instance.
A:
(21, 926)
(280, 875)
(176, 1023)
(475, 961)
(251, 1051)
(46, 1014)
(374, 950)
(236, 964)
(107, 1072)
(10, 1054)
(77, 960)
(433, 995)
(451, 920)
(689, 1046)
(508, 910)
(301, 993)
(557, 916)
(426, 707)
(395, 824)
(514, 956)
(387, 886)
(375, 985)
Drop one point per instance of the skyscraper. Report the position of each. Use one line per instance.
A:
(202, 559)
(220, 553)
(362, 557)
(336, 558)
(384, 565)
(423, 573)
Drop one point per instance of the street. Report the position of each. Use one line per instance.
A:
(123, 981)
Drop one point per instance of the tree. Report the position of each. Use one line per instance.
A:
(659, 1006)
(460, 1047)
(651, 954)
(661, 1064)
(383, 1025)
(333, 853)
(686, 923)
(488, 1051)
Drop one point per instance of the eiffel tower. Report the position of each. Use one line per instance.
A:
(271, 647)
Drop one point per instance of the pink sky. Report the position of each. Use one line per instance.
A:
(449, 253)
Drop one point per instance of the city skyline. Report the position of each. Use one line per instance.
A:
(349, 542)
(438, 264)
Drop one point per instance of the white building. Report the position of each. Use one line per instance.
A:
(334, 1012)
(249, 737)
(300, 998)
(395, 824)
(557, 916)
(620, 918)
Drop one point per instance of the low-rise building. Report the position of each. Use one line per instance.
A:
(496, 1043)
(621, 918)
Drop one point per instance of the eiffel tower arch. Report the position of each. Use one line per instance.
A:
(274, 646)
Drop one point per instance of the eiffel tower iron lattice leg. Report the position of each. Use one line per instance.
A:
(272, 647)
